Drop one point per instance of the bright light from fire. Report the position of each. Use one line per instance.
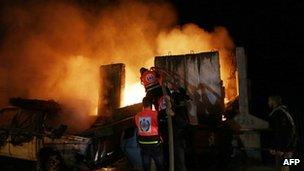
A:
(226, 100)
(133, 94)
(62, 61)
(95, 111)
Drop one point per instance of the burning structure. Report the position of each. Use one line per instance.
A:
(198, 73)
(47, 56)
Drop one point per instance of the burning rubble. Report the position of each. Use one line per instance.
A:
(53, 50)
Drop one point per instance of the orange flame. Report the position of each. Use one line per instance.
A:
(46, 55)
(182, 40)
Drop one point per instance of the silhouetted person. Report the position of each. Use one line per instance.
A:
(282, 135)
(180, 127)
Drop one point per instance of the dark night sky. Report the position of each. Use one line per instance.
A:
(272, 34)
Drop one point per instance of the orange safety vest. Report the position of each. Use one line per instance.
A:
(147, 125)
(149, 79)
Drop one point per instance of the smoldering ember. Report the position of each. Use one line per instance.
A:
(151, 85)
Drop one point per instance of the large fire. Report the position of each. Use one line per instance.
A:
(46, 55)
(134, 92)
(182, 40)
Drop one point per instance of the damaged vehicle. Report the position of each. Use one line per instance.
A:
(27, 135)
(30, 137)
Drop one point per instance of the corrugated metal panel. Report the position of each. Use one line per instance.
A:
(200, 75)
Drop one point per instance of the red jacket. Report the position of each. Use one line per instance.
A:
(147, 125)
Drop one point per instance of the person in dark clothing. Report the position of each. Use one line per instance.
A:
(282, 130)
(151, 80)
(163, 126)
(148, 136)
(180, 127)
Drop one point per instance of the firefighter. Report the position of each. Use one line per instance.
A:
(151, 80)
(148, 136)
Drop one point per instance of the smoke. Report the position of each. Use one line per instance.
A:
(52, 50)
(190, 38)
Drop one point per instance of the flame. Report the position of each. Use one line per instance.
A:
(182, 40)
(226, 100)
(95, 111)
(133, 91)
(133, 94)
(49, 56)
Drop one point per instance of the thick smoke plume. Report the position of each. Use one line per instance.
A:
(53, 50)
